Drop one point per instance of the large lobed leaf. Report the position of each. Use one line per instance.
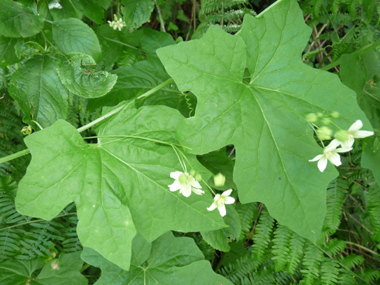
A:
(119, 185)
(167, 260)
(264, 116)
(136, 12)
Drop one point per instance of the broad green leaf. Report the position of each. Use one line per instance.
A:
(66, 271)
(72, 35)
(264, 117)
(78, 75)
(18, 22)
(219, 239)
(119, 184)
(68, 10)
(38, 91)
(136, 12)
(142, 76)
(169, 260)
(91, 9)
(371, 160)
(7, 51)
(362, 74)
(219, 162)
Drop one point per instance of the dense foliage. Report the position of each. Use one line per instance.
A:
(178, 142)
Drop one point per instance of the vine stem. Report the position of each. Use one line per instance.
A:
(358, 52)
(89, 125)
(160, 17)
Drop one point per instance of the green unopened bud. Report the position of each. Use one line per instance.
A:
(27, 130)
(320, 115)
(335, 114)
(183, 178)
(326, 121)
(192, 172)
(324, 133)
(311, 118)
(219, 180)
(342, 135)
(198, 177)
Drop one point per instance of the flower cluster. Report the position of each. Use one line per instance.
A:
(117, 23)
(343, 138)
(186, 184)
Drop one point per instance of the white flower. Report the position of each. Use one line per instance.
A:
(220, 201)
(330, 153)
(117, 23)
(185, 183)
(347, 138)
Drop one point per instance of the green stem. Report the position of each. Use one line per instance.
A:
(89, 125)
(358, 52)
(14, 156)
(121, 43)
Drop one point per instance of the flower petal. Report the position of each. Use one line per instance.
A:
(227, 193)
(175, 186)
(356, 126)
(222, 210)
(343, 149)
(197, 191)
(318, 157)
(216, 198)
(186, 190)
(195, 183)
(363, 134)
(322, 163)
(347, 144)
(333, 145)
(335, 159)
(175, 174)
(229, 200)
(212, 207)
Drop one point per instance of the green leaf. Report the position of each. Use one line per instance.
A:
(167, 260)
(136, 12)
(78, 74)
(17, 21)
(38, 91)
(219, 239)
(371, 160)
(7, 51)
(90, 8)
(219, 162)
(362, 74)
(66, 271)
(72, 35)
(265, 117)
(119, 184)
(68, 10)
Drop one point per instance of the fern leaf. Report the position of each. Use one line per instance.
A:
(335, 194)
(311, 261)
(374, 208)
(351, 260)
(262, 237)
(330, 271)
(247, 214)
(296, 245)
(334, 246)
(370, 275)
(280, 247)
(317, 5)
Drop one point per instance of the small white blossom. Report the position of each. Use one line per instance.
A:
(347, 138)
(220, 201)
(330, 153)
(117, 23)
(185, 183)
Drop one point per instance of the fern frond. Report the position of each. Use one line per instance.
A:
(334, 246)
(296, 245)
(374, 207)
(262, 237)
(247, 214)
(335, 198)
(317, 6)
(311, 261)
(347, 279)
(370, 275)
(329, 271)
(351, 260)
(280, 247)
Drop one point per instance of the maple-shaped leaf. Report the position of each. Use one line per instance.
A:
(263, 113)
(119, 185)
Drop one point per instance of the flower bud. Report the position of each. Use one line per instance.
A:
(319, 115)
(342, 135)
(27, 130)
(324, 133)
(335, 114)
(192, 172)
(198, 177)
(326, 121)
(219, 180)
(311, 118)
